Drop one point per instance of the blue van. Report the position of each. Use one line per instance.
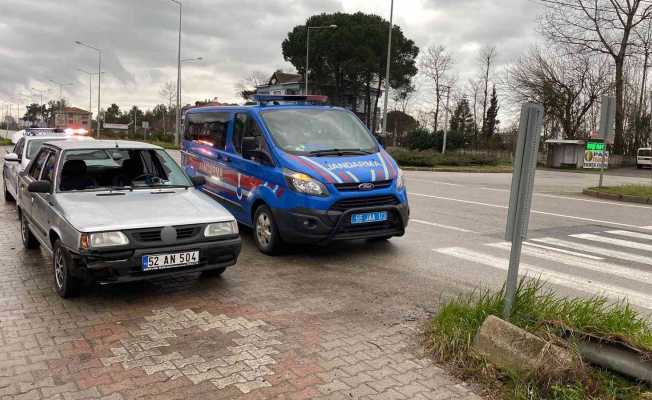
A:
(296, 171)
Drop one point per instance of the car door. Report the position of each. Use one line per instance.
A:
(252, 172)
(28, 203)
(42, 204)
(13, 168)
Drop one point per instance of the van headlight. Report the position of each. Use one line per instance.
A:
(221, 229)
(103, 239)
(400, 180)
(302, 183)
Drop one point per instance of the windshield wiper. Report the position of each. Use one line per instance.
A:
(129, 188)
(339, 152)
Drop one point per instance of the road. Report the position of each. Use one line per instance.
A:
(341, 322)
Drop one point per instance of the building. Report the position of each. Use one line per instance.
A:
(73, 117)
(282, 83)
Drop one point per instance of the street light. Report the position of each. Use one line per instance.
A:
(178, 121)
(61, 85)
(308, 28)
(90, 87)
(99, 82)
(40, 92)
(389, 58)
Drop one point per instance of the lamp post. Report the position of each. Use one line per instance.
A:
(90, 87)
(448, 96)
(99, 83)
(389, 58)
(308, 28)
(178, 117)
(61, 85)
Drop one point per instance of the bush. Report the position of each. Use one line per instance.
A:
(430, 158)
(424, 139)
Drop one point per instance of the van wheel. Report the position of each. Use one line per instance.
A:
(8, 197)
(266, 235)
(29, 240)
(65, 283)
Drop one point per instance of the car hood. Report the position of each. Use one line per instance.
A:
(97, 211)
(348, 169)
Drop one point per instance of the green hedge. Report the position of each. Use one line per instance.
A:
(429, 158)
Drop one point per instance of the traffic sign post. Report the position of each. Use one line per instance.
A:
(607, 128)
(520, 200)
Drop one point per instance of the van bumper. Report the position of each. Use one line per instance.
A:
(311, 226)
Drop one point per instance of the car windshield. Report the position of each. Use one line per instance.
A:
(645, 153)
(314, 131)
(34, 145)
(119, 169)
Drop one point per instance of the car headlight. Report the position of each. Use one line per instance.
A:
(305, 184)
(103, 239)
(221, 229)
(400, 180)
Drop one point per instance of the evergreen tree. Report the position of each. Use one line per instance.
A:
(492, 115)
(462, 118)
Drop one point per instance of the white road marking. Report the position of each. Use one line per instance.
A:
(572, 253)
(554, 277)
(647, 227)
(552, 196)
(454, 228)
(596, 250)
(597, 266)
(635, 235)
(612, 241)
(533, 211)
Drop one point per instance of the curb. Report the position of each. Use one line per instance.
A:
(451, 169)
(618, 197)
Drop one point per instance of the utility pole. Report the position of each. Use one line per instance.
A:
(448, 96)
(99, 83)
(389, 58)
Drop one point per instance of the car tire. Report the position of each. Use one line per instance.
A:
(7, 196)
(65, 283)
(213, 273)
(29, 240)
(266, 235)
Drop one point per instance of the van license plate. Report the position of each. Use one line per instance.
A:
(366, 218)
(173, 260)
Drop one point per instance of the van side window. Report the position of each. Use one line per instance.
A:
(48, 170)
(37, 166)
(19, 147)
(246, 127)
(208, 128)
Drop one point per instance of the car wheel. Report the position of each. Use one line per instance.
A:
(29, 240)
(213, 273)
(266, 235)
(7, 196)
(65, 283)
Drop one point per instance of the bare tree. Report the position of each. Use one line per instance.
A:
(568, 85)
(487, 60)
(169, 93)
(249, 83)
(436, 64)
(603, 27)
(473, 88)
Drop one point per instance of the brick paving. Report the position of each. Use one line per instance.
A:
(293, 327)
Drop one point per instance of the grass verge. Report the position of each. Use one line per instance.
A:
(5, 142)
(450, 161)
(540, 311)
(626, 190)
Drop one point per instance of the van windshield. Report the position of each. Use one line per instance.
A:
(317, 132)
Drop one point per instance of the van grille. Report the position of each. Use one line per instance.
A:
(353, 186)
(154, 235)
(360, 202)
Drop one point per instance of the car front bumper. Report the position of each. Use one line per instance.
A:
(303, 225)
(125, 265)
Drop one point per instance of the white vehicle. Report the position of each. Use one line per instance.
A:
(27, 144)
(644, 157)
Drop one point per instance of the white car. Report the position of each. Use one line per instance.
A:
(644, 157)
(27, 144)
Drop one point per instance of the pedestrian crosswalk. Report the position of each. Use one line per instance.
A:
(613, 263)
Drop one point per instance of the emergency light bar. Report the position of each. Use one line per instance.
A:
(43, 131)
(311, 98)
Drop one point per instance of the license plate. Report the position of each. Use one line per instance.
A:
(369, 217)
(173, 260)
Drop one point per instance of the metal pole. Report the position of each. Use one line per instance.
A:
(177, 137)
(90, 93)
(389, 58)
(448, 96)
(307, 56)
(99, 93)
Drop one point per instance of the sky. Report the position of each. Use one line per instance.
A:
(138, 39)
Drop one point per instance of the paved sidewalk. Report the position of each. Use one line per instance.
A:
(271, 328)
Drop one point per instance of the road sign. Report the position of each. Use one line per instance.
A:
(144, 124)
(520, 199)
(122, 127)
(607, 130)
(595, 146)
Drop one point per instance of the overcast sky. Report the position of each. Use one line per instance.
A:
(235, 37)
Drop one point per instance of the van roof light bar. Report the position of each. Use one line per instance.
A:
(262, 99)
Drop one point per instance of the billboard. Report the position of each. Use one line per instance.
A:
(122, 127)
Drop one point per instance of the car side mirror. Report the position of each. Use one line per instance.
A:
(198, 180)
(39, 187)
(12, 157)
